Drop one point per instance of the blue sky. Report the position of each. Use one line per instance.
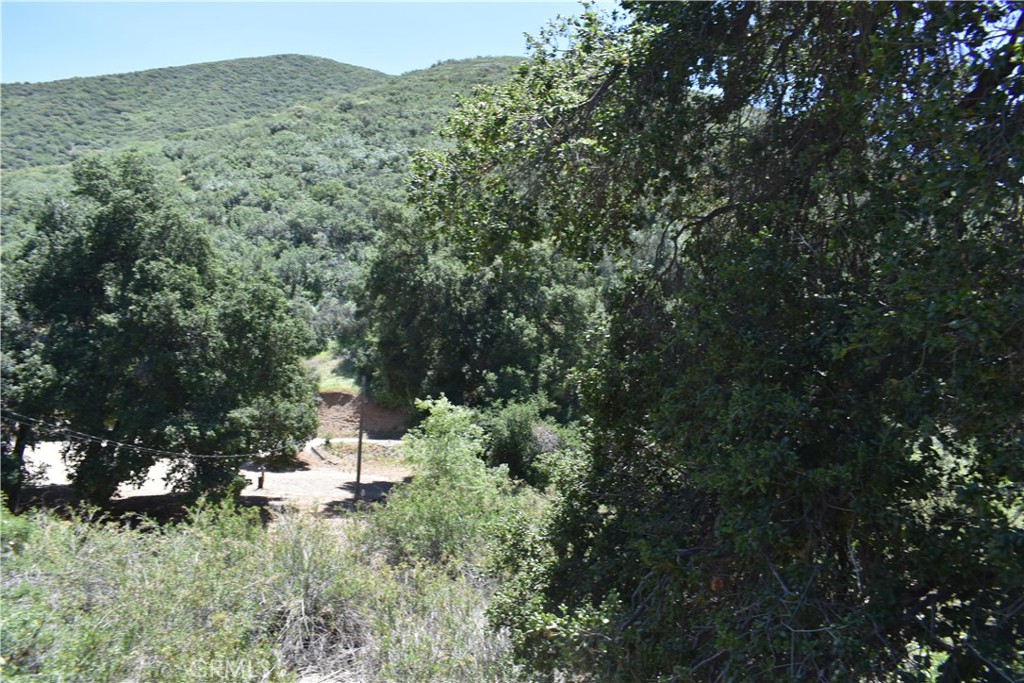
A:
(45, 41)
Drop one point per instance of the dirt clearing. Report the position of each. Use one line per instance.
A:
(322, 477)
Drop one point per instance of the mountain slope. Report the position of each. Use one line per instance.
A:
(52, 123)
(303, 192)
(351, 149)
(310, 188)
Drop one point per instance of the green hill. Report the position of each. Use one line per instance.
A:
(340, 156)
(52, 123)
(303, 190)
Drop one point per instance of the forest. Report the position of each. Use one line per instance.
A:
(710, 315)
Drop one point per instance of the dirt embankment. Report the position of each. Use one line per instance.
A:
(339, 416)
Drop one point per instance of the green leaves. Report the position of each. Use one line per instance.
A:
(818, 270)
(445, 513)
(152, 340)
(440, 320)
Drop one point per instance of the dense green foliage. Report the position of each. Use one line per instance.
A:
(437, 324)
(128, 326)
(221, 598)
(56, 122)
(446, 512)
(807, 460)
(299, 191)
(307, 191)
(532, 446)
(771, 251)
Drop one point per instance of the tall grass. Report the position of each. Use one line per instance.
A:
(222, 598)
(85, 600)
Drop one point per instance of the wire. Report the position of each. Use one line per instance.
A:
(73, 435)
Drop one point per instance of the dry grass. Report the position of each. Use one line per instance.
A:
(331, 372)
(223, 598)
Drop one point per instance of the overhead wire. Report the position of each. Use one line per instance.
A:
(74, 435)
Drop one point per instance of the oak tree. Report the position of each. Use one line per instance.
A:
(808, 460)
(150, 338)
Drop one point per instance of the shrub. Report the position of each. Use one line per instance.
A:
(443, 515)
(530, 445)
(518, 438)
(319, 617)
(220, 598)
(432, 626)
(87, 600)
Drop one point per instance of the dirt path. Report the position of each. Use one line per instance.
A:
(324, 478)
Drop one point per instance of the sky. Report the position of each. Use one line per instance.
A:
(46, 41)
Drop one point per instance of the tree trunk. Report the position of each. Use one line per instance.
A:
(13, 477)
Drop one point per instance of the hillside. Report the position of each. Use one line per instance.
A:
(320, 167)
(53, 123)
(719, 313)
(301, 191)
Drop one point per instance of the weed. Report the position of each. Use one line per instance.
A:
(219, 597)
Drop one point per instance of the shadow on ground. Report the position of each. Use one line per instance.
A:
(290, 465)
(373, 492)
(131, 511)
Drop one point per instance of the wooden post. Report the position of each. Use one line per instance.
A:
(359, 442)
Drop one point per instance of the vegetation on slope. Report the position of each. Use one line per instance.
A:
(300, 192)
(803, 391)
(219, 597)
(57, 122)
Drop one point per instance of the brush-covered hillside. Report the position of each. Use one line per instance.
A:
(299, 183)
(55, 122)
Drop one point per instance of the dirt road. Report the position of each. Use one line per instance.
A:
(323, 479)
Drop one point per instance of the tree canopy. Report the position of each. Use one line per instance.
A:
(807, 459)
(438, 322)
(125, 324)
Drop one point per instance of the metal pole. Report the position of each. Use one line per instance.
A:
(359, 443)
